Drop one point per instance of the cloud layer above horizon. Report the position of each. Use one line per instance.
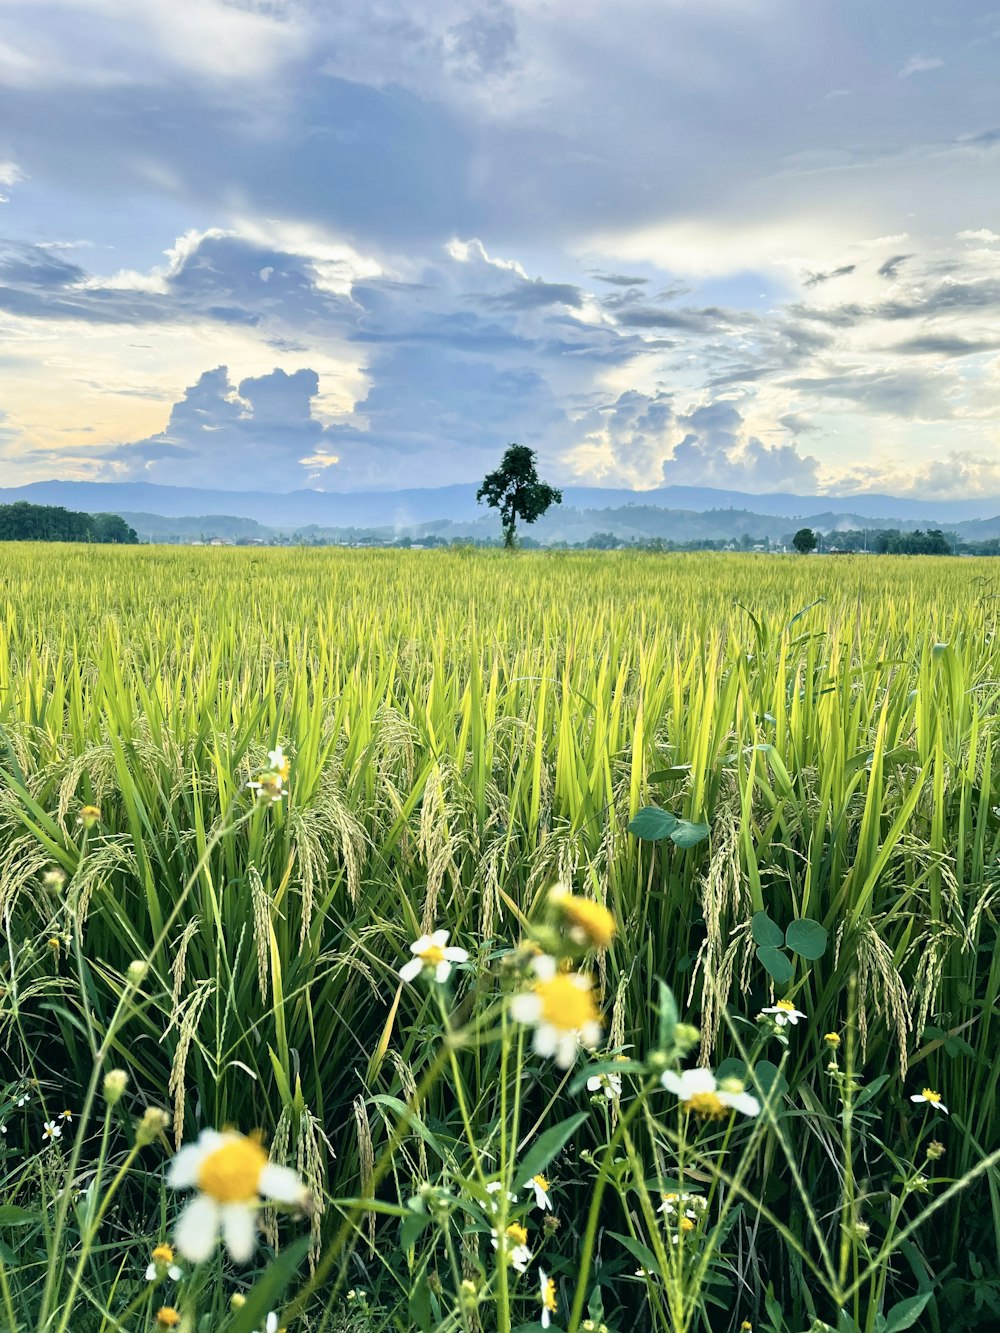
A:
(256, 244)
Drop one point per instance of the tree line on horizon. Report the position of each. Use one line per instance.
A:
(24, 522)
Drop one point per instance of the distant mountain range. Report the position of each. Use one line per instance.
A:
(409, 510)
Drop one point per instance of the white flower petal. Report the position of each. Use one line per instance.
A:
(740, 1101)
(566, 1050)
(671, 1082)
(546, 1040)
(696, 1080)
(182, 1173)
(411, 970)
(544, 967)
(594, 1083)
(456, 955)
(151, 1273)
(440, 938)
(590, 1034)
(442, 972)
(525, 1008)
(197, 1229)
(239, 1228)
(280, 1183)
(422, 945)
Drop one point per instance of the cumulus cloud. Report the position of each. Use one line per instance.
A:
(717, 451)
(248, 435)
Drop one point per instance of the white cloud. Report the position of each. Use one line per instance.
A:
(920, 65)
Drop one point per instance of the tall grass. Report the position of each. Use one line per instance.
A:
(463, 727)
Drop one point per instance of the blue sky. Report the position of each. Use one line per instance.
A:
(276, 243)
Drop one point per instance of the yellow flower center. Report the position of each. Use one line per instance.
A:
(163, 1254)
(832, 1039)
(549, 1294)
(930, 1096)
(432, 955)
(541, 1182)
(231, 1173)
(517, 1234)
(784, 1004)
(687, 1224)
(706, 1106)
(167, 1317)
(594, 920)
(565, 1005)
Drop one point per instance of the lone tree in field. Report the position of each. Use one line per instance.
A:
(515, 490)
(804, 541)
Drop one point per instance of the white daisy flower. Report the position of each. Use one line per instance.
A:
(52, 1131)
(932, 1098)
(610, 1084)
(493, 1189)
(278, 762)
(547, 1297)
(433, 953)
(560, 1007)
(784, 1012)
(162, 1265)
(231, 1174)
(674, 1203)
(541, 1188)
(515, 1246)
(701, 1095)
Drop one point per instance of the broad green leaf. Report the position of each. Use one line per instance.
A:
(765, 931)
(770, 1078)
(545, 1148)
(639, 1251)
(672, 774)
(12, 1216)
(265, 1295)
(870, 1090)
(667, 1016)
(688, 834)
(807, 938)
(416, 1221)
(905, 1313)
(651, 823)
(776, 964)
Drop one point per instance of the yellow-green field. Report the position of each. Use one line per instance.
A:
(464, 729)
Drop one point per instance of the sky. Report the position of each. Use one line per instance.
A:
(268, 244)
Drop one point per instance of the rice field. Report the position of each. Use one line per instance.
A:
(463, 730)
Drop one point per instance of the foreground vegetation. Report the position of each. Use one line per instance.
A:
(463, 731)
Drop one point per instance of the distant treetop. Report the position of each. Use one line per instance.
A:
(23, 522)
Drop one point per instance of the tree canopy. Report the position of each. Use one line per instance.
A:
(515, 489)
(23, 522)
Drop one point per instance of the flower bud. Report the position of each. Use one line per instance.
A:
(935, 1150)
(115, 1081)
(686, 1036)
(832, 1039)
(237, 1300)
(137, 970)
(54, 879)
(151, 1126)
